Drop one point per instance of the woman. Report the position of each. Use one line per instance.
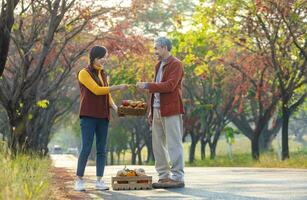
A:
(95, 103)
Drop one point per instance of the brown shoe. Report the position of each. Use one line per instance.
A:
(168, 183)
(163, 180)
(173, 184)
(160, 183)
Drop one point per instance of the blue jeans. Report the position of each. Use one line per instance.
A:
(89, 127)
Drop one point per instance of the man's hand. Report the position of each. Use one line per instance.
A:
(149, 119)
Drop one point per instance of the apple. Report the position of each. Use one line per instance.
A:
(125, 103)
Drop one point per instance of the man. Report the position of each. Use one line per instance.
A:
(166, 116)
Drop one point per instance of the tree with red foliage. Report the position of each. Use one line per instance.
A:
(265, 41)
(49, 42)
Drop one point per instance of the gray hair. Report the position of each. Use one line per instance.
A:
(164, 42)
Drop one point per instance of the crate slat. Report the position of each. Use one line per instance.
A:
(132, 183)
(131, 178)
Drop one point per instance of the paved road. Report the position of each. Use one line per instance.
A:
(214, 183)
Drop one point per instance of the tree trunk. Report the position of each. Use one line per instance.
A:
(124, 156)
(216, 137)
(6, 23)
(111, 156)
(203, 144)
(192, 148)
(133, 158)
(139, 153)
(266, 137)
(265, 141)
(118, 158)
(212, 152)
(20, 140)
(148, 143)
(31, 135)
(16, 130)
(212, 147)
(285, 138)
(255, 146)
(150, 156)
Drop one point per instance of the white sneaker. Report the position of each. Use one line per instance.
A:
(100, 185)
(80, 185)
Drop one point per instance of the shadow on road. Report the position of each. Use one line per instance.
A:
(182, 193)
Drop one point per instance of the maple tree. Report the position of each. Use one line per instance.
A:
(49, 44)
(281, 47)
(288, 50)
(276, 34)
(236, 38)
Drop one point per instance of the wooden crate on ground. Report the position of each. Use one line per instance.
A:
(132, 183)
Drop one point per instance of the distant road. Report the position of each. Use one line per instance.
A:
(230, 183)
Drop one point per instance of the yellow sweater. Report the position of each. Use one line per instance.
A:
(85, 78)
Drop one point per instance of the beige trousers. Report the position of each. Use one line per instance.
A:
(167, 145)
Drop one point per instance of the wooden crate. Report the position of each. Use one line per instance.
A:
(132, 183)
(132, 111)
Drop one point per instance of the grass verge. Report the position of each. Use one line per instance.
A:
(24, 177)
(267, 160)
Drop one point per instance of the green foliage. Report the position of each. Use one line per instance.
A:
(161, 17)
(42, 103)
(230, 134)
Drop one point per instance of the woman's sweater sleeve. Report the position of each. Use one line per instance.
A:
(85, 78)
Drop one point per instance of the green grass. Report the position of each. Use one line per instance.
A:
(241, 155)
(267, 160)
(24, 177)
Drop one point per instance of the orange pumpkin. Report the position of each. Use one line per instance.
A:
(131, 173)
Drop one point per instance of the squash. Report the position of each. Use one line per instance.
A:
(131, 173)
(140, 172)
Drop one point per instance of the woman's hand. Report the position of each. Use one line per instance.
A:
(123, 87)
(119, 114)
(115, 108)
